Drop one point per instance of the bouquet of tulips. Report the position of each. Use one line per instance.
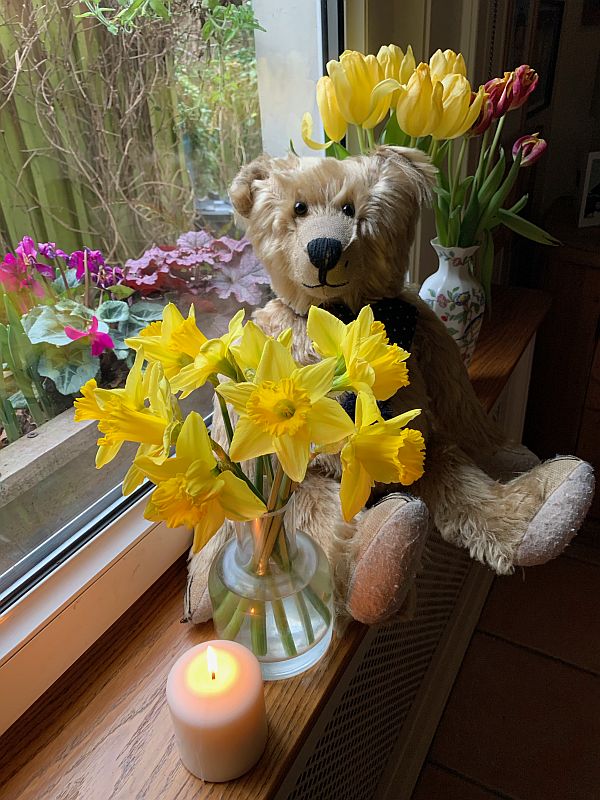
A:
(285, 416)
(390, 99)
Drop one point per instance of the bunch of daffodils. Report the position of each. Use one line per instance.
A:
(390, 99)
(286, 415)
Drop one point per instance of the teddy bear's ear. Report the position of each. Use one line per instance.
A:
(415, 166)
(242, 189)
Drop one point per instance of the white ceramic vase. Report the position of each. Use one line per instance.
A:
(456, 296)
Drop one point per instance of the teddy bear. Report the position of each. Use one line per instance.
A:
(337, 234)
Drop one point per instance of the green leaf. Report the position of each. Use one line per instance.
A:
(146, 311)
(113, 311)
(59, 285)
(525, 228)
(337, 151)
(47, 323)
(68, 367)
(121, 292)
(519, 205)
(393, 133)
(292, 148)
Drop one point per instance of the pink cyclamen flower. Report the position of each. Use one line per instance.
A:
(532, 148)
(26, 249)
(50, 250)
(100, 341)
(15, 276)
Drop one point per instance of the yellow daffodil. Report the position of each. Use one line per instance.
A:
(380, 450)
(419, 108)
(334, 123)
(446, 63)
(354, 77)
(460, 107)
(248, 351)
(123, 416)
(365, 359)
(285, 409)
(213, 359)
(190, 489)
(174, 343)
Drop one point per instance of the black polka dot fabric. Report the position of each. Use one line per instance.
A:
(398, 316)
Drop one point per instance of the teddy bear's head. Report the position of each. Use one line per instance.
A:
(334, 230)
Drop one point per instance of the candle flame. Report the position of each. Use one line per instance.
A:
(211, 659)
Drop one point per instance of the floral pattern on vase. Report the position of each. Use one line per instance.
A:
(456, 296)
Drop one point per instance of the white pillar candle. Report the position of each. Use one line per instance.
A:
(216, 699)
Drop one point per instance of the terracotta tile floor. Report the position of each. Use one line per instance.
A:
(523, 719)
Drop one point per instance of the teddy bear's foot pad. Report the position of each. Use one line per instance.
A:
(390, 538)
(569, 490)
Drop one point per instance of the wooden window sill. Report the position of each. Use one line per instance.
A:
(103, 729)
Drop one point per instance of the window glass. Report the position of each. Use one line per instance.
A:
(120, 137)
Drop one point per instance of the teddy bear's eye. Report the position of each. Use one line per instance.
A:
(348, 209)
(300, 209)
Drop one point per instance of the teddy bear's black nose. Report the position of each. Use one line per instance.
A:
(324, 253)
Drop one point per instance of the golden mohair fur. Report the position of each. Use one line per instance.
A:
(495, 521)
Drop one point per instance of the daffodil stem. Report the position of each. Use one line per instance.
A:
(226, 418)
(258, 628)
(283, 627)
(236, 469)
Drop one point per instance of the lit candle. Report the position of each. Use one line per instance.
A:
(217, 704)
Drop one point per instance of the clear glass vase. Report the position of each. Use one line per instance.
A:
(271, 590)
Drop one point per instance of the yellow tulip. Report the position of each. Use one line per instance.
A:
(334, 123)
(460, 107)
(396, 65)
(419, 108)
(354, 77)
(174, 343)
(191, 491)
(285, 410)
(380, 450)
(446, 63)
(213, 359)
(365, 359)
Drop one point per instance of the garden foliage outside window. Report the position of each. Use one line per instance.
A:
(121, 134)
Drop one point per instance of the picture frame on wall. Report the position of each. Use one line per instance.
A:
(544, 51)
(589, 210)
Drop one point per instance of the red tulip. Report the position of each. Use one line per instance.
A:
(484, 120)
(512, 90)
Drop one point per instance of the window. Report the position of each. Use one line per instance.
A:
(118, 148)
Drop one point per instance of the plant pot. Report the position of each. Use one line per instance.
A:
(456, 296)
(271, 590)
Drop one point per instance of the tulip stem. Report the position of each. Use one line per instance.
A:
(494, 147)
(371, 138)
(361, 139)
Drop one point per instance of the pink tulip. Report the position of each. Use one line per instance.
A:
(99, 341)
(484, 120)
(531, 147)
(512, 90)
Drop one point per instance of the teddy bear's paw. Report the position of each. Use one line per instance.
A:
(389, 541)
(197, 606)
(568, 491)
(509, 461)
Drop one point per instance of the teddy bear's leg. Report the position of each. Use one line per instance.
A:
(507, 462)
(374, 557)
(528, 520)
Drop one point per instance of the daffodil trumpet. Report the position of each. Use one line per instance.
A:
(286, 414)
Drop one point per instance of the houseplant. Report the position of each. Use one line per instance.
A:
(272, 589)
(431, 106)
